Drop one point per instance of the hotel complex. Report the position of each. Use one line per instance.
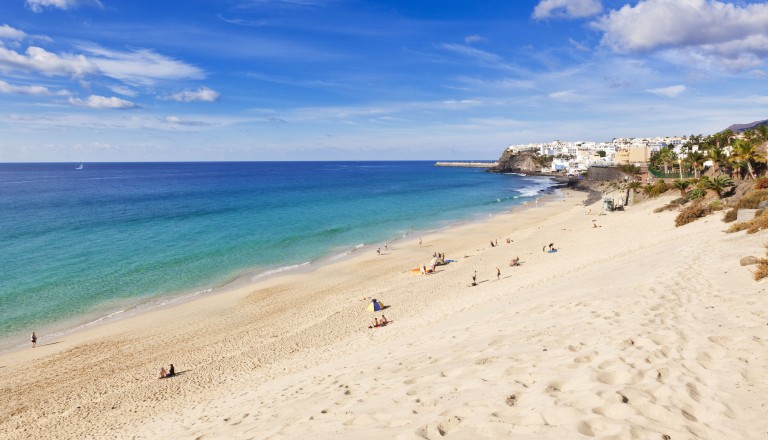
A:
(578, 156)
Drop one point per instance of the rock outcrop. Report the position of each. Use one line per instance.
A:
(510, 162)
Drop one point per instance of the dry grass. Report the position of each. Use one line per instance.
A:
(752, 199)
(762, 270)
(674, 204)
(693, 212)
(730, 216)
(758, 223)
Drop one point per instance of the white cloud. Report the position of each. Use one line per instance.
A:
(566, 9)
(126, 91)
(203, 94)
(469, 39)
(30, 90)
(95, 101)
(669, 92)
(143, 67)
(39, 5)
(564, 95)
(712, 32)
(175, 120)
(39, 60)
(9, 33)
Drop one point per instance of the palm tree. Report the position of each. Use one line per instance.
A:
(667, 156)
(745, 152)
(682, 185)
(718, 184)
(717, 155)
(696, 159)
(634, 185)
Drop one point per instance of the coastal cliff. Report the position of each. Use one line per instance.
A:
(511, 162)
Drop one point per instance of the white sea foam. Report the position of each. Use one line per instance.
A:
(278, 270)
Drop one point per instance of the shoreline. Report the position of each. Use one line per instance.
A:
(549, 350)
(245, 279)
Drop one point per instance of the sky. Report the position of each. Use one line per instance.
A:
(221, 80)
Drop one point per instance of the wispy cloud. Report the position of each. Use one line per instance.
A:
(40, 5)
(470, 39)
(485, 58)
(203, 94)
(141, 66)
(564, 95)
(30, 90)
(102, 102)
(566, 9)
(669, 92)
(175, 120)
(242, 22)
(714, 33)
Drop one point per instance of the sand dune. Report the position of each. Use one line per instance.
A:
(633, 330)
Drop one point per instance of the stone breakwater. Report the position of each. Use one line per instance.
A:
(467, 164)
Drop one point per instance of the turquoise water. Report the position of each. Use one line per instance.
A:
(80, 245)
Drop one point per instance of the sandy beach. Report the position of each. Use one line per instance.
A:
(633, 330)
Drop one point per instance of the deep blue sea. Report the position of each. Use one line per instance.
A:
(80, 245)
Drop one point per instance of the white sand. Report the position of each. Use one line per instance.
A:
(633, 330)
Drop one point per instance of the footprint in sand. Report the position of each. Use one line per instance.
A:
(440, 429)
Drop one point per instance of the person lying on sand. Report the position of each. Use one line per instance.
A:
(515, 261)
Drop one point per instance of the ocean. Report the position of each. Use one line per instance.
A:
(83, 246)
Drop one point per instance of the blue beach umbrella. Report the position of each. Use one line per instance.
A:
(375, 306)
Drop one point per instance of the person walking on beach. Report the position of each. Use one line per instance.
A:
(474, 279)
(419, 241)
(378, 251)
(498, 273)
(33, 339)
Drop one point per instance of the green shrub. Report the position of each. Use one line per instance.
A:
(696, 193)
(693, 212)
(658, 189)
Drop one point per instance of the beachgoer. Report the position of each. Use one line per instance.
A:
(384, 320)
(515, 261)
(386, 248)
(378, 251)
(171, 371)
(375, 323)
(551, 246)
(163, 373)
(497, 242)
(544, 248)
(423, 270)
(498, 273)
(419, 241)
(594, 225)
(492, 243)
(34, 339)
(474, 279)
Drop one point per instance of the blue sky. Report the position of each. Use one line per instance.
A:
(108, 80)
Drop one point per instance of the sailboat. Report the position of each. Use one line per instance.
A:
(79, 167)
